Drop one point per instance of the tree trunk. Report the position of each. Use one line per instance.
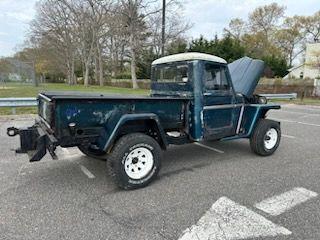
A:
(96, 69)
(75, 80)
(113, 71)
(100, 64)
(69, 72)
(133, 64)
(116, 63)
(121, 67)
(72, 75)
(86, 76)
(83, 69)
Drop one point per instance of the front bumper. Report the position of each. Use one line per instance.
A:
(34, 141)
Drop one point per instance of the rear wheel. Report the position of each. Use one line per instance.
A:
(266, 137)
(93, 152)
(134, 161)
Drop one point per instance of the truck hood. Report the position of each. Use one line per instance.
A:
(245, 74)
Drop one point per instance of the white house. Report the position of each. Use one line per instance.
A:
(307, 69)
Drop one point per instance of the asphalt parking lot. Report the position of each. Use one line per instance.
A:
(217, 190)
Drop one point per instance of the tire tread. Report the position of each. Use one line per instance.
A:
(257, 138)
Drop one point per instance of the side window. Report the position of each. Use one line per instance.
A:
(215, 78)
(171, 73)
(182, 73)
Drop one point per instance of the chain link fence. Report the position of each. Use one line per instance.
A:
(16, 71)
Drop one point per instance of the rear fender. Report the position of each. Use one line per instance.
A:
(110, 139)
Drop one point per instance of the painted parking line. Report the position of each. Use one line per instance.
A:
(229, 220)
(291, 121)
(279, 204)
(86, 172)
(301, 113)
(288, 136)
(207, 147)
(302, 107)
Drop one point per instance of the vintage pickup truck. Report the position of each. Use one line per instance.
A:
(194, 97)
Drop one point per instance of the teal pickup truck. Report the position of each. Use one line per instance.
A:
(194, 97)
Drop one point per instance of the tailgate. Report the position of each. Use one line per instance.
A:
(46, 109)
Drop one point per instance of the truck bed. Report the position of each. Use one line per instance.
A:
(91, 112)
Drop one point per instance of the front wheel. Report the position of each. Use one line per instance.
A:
(266, 137)
(134, 161)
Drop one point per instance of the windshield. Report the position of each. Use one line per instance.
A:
(171, 73)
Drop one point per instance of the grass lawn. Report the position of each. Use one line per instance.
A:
(27, 90)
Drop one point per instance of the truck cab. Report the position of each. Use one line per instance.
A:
(194, 97)
(217, 109)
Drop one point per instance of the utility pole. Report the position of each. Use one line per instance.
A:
(163, 39)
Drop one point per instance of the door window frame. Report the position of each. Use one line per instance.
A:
(220, 91)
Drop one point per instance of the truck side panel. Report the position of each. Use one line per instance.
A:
(101, 116)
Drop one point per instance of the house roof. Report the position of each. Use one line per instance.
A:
(189, 56)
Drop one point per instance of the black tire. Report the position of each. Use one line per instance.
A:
(259, 136)
(93, 153)
(119, 154)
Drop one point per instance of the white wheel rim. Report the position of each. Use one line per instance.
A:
(271, 138)
(138, 163)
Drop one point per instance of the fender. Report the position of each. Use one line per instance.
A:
(252, 114)
(133, 117)
(260, 111)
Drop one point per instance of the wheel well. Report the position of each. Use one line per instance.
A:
(146, 126)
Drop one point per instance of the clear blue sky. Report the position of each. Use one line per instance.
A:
(209, 17)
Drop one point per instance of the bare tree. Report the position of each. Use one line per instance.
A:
(175, 27)
(54, 23)
(237, 28)
(86, 29)
(266, 19)
(134, 21)
(258, 33)
(116, 42)
(311, 26)
(90, 35)
(290, 38)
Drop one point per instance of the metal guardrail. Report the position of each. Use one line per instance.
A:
(280, 96)
(32, 102)
(18, 102)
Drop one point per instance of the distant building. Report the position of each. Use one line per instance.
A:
(308, 68)
(15, 77)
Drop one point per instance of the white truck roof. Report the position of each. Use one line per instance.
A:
(187, 57)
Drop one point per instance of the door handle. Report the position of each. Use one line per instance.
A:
(207, 94)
